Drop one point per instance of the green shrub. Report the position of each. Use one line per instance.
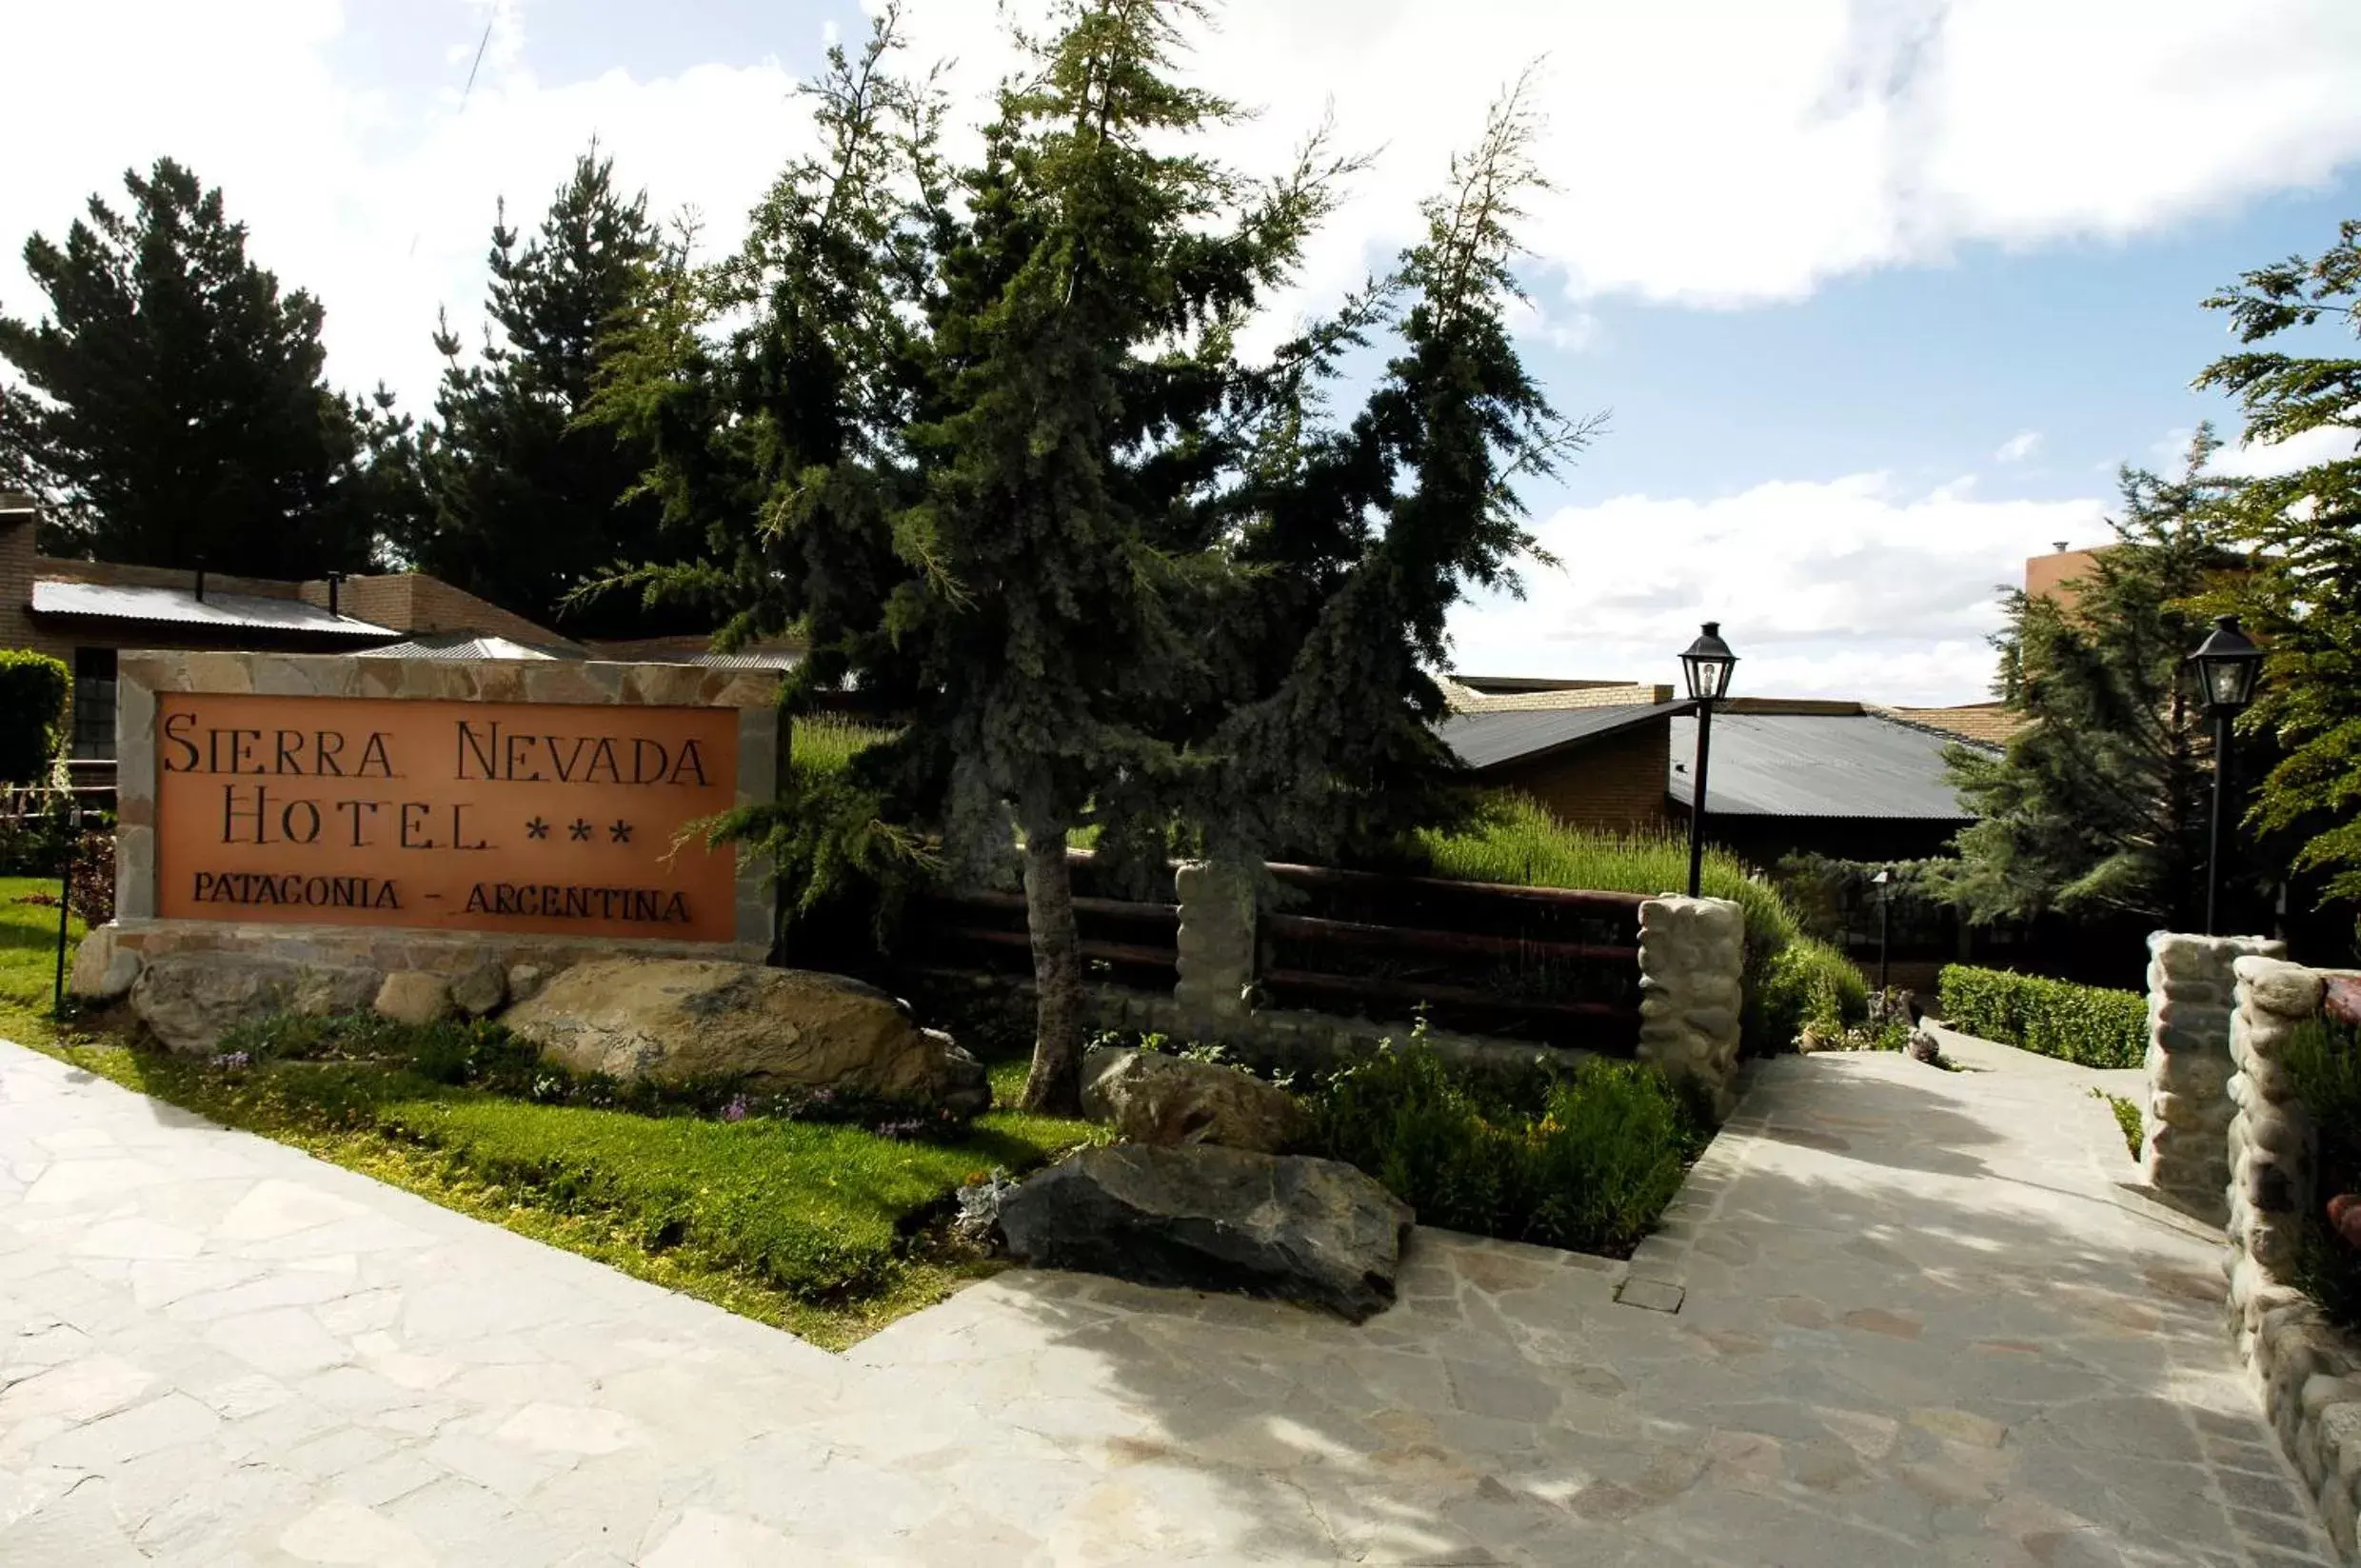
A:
(2127, 1119)
(34, 688)
(1809, 984)
(2082, 1024)
(1519, 842)
(1586, 1158)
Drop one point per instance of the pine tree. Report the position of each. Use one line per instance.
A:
(173, 408)
(1368, 535)
(532, 504)
(2099, 804)
(1072, 452)
(2302, 595)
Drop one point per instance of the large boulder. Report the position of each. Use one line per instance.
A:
(674, 1021)
(1151, 1097)
(1308, 1230)
(189, 1000)
(102, 972)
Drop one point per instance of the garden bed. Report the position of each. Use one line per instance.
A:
(811, 1215)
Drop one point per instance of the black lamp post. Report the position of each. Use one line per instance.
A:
(2226, 663)
(1706, 667)
(1884, 882)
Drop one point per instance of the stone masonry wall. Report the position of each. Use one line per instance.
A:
(1692, 957)
(2189, 1001)
(2308, 1370)
(1217, 944)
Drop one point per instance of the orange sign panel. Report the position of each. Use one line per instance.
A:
(505, 817)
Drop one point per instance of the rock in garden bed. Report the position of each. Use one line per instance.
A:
(1167, 1099)
(675, 1020)
(1301, 1229)
(189, 1000)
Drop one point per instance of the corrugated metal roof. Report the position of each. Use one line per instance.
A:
(1489, 740)
(1817, 764)
(464, 646)
(751, 659)
(181, 606)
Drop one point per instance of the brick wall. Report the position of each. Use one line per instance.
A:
(413, 602)
(1614, 783)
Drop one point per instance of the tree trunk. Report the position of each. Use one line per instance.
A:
(1055, 1085)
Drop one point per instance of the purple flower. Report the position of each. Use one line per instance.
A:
(232, 1060)
(734, 1111)
(900, 1129)
(824, 1097)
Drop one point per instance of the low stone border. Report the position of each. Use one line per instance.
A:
(2308, 1371)
(1660, 1264)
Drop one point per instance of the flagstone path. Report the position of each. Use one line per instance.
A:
(1920, 1321)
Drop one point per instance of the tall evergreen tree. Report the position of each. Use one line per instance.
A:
(173, 408)
(2302, 594)
(1071, 446)
(1367, 535)
(2099, 804)
(532, 503)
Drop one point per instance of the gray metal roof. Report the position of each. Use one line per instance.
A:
(181, 606)
(1817, 764)
(1489, 740)
(464, 646)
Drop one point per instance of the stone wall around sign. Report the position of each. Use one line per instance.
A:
(137, 934)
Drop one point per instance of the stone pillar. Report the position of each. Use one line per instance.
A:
(2268, 1153)
(2189, 1001)
(1216, 943)
(2306, 1371)
(1691, 961)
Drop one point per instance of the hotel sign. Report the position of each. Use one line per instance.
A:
(470, 816)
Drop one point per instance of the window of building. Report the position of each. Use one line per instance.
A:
(94, 703)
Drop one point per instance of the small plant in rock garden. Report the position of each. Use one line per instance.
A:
(2127, 1116)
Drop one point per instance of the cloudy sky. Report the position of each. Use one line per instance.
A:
(1878, 293)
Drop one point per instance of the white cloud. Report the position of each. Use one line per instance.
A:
(1847, 587)
(1707, 152)
(378, 203)
(2018, 446)
(2322, 445)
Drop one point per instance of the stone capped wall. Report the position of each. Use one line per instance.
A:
(2190, 982)
(2309, 1371)
(1691, 961)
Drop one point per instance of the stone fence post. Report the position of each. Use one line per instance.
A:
(2190, 982)
(1692, 960)
(2309, 1372)
(1216, 943)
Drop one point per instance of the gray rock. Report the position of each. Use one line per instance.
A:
(677, 1019)
(1308, 1230)
(102, 971)
(525, 980)
(1168, 1099)
(479, 989)
(414, 995)
(187, 1001)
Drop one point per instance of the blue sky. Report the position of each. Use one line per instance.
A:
(1878, 291)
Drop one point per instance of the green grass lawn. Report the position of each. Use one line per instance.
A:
(29, 957)
(806, 1225)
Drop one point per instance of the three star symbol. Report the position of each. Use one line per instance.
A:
(621, 832)
(537, 828)
(580, 830)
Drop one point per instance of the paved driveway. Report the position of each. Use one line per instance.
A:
(1923, 1324)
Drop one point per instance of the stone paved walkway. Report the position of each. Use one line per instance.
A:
(1923, 1324)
